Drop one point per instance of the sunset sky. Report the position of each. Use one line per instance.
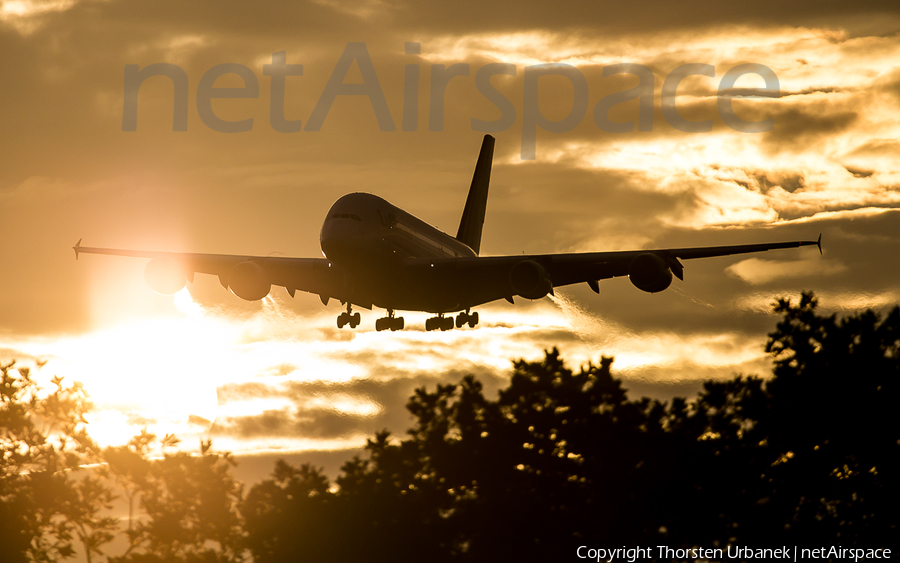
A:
(277, 377)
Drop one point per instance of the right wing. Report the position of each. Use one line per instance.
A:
(312, 275)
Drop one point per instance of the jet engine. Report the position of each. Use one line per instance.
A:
(650, 273)
(164, 276)
(248, 281)
(529, 279)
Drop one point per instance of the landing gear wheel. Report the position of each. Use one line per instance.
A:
(389, 322)
(348, 318)
(466, 318)
(439, 322)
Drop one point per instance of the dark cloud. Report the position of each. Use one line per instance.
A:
(266, 424)
(789, 182)
(617, 17)
(814, 90)
(889, 148)
(388, 390)
(797, 130)
(859, 172)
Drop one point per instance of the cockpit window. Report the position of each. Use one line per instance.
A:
(353, 216)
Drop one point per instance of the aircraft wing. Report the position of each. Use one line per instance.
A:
(502, 277)
(580, 267)
(312, 275)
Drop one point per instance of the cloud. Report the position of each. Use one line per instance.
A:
(847, 301)
(757, 271)
(802, 129)
(26, 16)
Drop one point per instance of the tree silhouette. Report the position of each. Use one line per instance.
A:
(188, 504)
(57, 486)
(44, 503)
(829, 423)
(288, 517)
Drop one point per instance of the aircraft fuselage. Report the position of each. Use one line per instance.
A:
(385, 251)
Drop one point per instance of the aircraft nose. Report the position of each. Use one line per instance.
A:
(341, 236)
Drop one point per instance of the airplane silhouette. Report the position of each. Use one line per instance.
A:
(378, 255)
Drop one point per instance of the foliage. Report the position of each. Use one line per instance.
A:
(57, 487)
(44, 506)
(189, 503)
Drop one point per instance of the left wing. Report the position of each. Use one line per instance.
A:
(571, 267)
(534, 276)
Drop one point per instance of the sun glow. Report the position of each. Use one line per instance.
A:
(158, 373)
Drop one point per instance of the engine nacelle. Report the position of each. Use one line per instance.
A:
(650, 273)
(164, 276)
(529, 279)
(248, 281)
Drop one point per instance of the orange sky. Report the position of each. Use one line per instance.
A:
(279, 376)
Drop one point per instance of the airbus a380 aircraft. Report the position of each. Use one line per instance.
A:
(377, 255)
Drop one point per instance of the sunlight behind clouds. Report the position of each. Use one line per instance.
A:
(25, 15)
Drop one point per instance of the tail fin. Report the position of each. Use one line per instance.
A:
(472, 221)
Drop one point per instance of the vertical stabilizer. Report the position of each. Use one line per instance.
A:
(472, 221)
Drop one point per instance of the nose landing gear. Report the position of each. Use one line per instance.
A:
(348, 318)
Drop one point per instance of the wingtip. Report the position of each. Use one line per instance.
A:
(77, 247)
(819, 243)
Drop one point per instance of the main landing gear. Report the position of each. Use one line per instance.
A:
(446, 323)
(389, 322)
(348, 318)
(439, 322)
(467, 318)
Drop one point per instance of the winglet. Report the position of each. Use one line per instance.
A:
(77, 247)
(819, 243)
